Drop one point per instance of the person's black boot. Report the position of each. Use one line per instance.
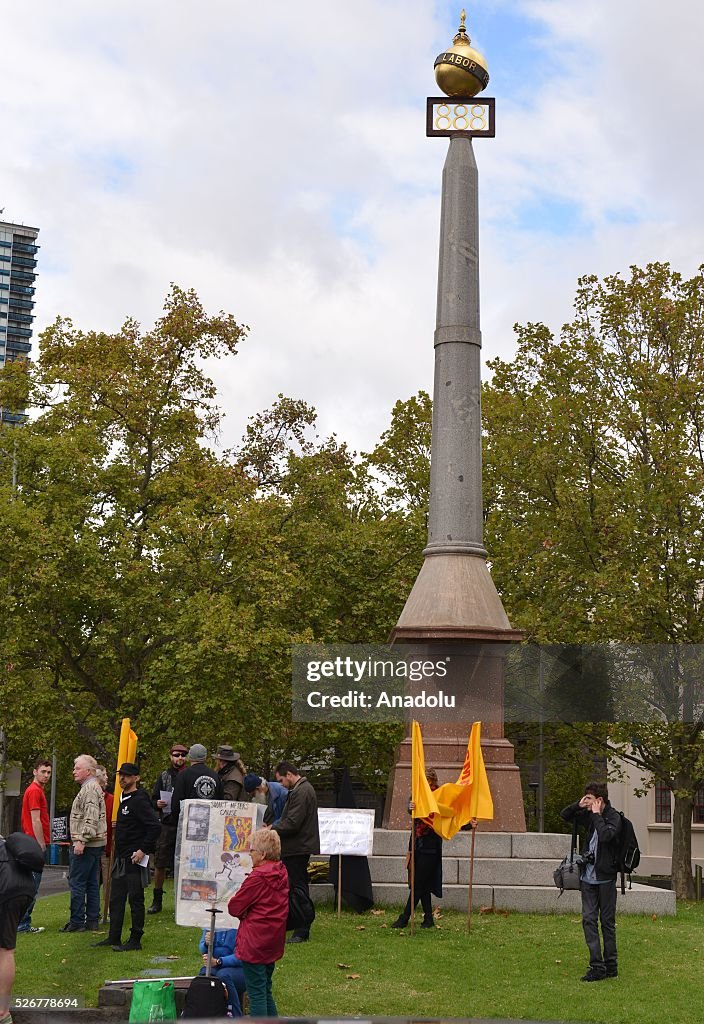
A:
(156, 906)
(428, 921)
(132, 943)
(401, 922)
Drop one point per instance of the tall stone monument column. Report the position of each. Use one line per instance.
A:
(454, 605)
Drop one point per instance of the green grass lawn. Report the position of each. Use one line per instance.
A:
(521, 966)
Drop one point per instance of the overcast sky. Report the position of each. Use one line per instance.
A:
(274, 158)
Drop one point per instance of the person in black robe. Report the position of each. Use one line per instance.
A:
(356, 879)
(427, 880)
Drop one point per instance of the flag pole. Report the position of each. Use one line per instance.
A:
(412, 807)
(108, 883)
(339, 884)
(473, 824)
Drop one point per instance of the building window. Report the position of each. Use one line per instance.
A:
(698, 810)
(663, 804)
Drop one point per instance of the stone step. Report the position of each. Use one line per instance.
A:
(525, 845)
(536, 899)
(487, 870)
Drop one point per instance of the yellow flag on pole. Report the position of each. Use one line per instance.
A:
(421, 794)
(126, 751)
(481, 806)
(470, 797)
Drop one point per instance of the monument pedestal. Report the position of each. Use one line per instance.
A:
(446, 755)
(476, 678)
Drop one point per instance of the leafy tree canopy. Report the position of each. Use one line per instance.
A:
(149, 576)
(594, 488)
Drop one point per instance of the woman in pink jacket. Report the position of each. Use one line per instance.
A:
(261, 903)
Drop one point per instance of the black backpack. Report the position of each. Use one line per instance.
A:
(206, 997)
(16, 879)
(26, 851)
(628, 852)
(301, 912)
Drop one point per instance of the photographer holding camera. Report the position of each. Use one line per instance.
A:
(598, 877)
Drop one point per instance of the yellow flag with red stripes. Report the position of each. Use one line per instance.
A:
(473, 774)
(470, 797)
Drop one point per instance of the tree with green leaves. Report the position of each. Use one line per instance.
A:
(149, 575)
(109, 528)
(594, 490)
(352, 556)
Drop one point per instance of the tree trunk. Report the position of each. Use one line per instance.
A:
(682, 881)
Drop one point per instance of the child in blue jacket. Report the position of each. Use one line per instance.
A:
(225, 966)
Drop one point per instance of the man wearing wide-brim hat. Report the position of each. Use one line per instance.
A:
(231, 769)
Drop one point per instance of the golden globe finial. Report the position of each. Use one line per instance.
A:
(461, 70)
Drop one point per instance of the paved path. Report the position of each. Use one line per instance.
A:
(53, 880)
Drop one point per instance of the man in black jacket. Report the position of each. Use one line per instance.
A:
(166, 845)
(298, 831)
(136, 832)
(598, 877)
(197, 782)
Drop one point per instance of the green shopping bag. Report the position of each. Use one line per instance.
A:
(152, 1000)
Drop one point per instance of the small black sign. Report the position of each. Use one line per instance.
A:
(59, 829)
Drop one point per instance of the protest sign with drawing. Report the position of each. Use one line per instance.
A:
(212, 857)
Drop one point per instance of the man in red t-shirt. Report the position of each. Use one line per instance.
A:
(35, 823)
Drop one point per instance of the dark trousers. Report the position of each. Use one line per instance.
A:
(126, 884)
(261, 1000)
(599, 905)
(425, 902)
(26, 922)
(83, 874)
(297, 869)
(423, 880)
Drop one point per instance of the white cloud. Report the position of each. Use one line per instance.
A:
(274, 158)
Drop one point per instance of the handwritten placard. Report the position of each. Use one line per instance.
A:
(345, 831)
(59, 829)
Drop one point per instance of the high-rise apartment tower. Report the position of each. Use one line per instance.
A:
(18, 262)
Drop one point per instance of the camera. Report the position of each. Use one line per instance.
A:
(585, 858)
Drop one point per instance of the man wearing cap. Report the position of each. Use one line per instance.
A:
(272, 794)
(232, 771)
(136, 833)
(197, 782)
(166, 845)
